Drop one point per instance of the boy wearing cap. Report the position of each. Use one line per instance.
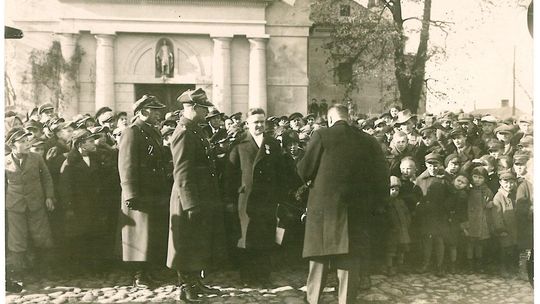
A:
(505, 134)
(524, 209)
(29, 195)
(398, 239)
(504, 221)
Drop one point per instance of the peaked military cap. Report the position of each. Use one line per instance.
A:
(433, 157)
(147, 102)
(32, 124)
(45, 107)
(16, 134)
(197, 97)
(457, 132)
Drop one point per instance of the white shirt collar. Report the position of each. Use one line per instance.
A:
(258, 139)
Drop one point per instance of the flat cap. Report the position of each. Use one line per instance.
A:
(433, 157)
(45, 107)
(457, 132)
(504, 128)
(465, 117)
(197, 97)
(80, 135)
(521, 158)
(450, 158)
(507, 175)
(489, 119)
(147, 102)
(495, 145)
(427, 130)
(16, 134)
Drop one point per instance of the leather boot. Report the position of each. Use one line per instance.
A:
(188, 294)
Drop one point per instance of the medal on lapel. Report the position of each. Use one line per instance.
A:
(267, 149)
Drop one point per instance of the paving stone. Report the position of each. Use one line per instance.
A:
(375, 297)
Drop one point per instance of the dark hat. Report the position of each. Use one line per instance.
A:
(495, 145)
(404, 116)
(427, 130)
(507, 175)
(16, 134)
(284, 118)
(295, 115)
(237, 114)
(433, 157)
(521, 158)
(457, 132)
(213, 113)
(504, 128)
(465, 117)
(80, 123)
(81, 135)
(197, 97)
(482, 171)
(32, 124)
(147, 102)
(450, 158)
(44, 107)
(289, 137)
(102, 110)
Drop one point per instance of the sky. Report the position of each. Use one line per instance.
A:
(476, 70)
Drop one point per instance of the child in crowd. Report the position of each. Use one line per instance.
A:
(452, 165)
(524, 210)
(504, 219)
(400, 148)
(479, 201)
(398, 238)
(456, 205)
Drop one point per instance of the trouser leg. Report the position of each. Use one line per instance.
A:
(318, 270)
(348, 274)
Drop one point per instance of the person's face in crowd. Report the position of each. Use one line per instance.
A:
(116, 136)
(394, 191)
(478, 180)
(520, 168)
(228, 123)
(400, 142)
(394, 112)
(215, 122)
(407, 126)
(461, 182)
(255, 124)
(460, 141)
(283, 122)
(87, 146)
(487, 127)
(310, 121)
(314, 100)
(429, 139)
(153, 116)
(297, 123)
(508, 184)
(65, 133)
(504, 137)
(428, 122)
(293, 148)
(525, 127)
(39, 150)
(446, 123)
(453, 166)
(433, 168)
(46, 115)
(408, 169)
(21, 146)
(122, 121)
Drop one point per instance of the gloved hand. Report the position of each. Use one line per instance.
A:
(194, 214)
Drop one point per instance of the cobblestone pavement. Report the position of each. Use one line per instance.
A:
(289, 283)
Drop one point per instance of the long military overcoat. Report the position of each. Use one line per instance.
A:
(198, 243)
(142, 176)
(349, 176)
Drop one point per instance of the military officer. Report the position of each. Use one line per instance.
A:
(144, 212)
(196, 235)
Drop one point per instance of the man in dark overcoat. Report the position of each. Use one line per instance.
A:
(253, 176)
(349, 179)
(196, 235)
(144, 213)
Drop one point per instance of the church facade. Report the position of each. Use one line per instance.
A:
(244, 53)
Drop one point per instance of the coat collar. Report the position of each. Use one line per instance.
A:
(150, 130)
(340, 123)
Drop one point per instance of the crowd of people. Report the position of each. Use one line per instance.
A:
(98, 188)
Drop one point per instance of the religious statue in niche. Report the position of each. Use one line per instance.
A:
(164, 58)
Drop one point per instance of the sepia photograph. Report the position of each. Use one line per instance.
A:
(268, 151)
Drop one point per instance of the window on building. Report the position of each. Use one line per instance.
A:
(344, 72)
(345, 10)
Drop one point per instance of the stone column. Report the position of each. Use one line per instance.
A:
(257, 73)
(69, 101)
(221, 74)
(105, 71)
